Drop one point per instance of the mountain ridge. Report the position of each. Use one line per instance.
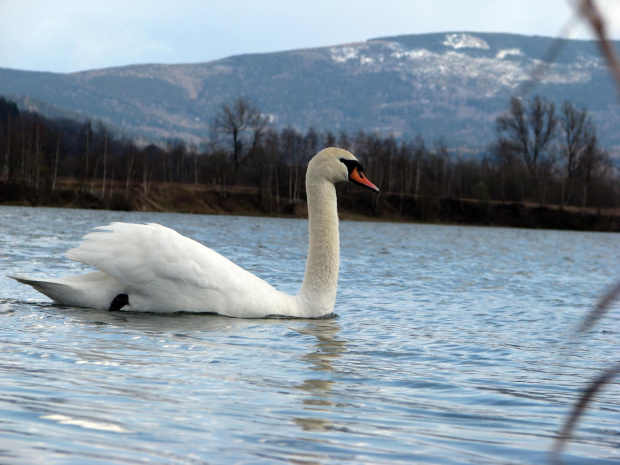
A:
(450, 85)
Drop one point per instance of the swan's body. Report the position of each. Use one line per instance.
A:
(153, 268)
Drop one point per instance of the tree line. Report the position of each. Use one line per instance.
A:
(540, 155)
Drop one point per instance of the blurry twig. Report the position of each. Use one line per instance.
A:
(589, 11)
(599, 310)
(567, 431)
(547, 60)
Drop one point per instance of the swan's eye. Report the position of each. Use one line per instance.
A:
(352, 164)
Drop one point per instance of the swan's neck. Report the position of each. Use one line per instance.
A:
(318, 290)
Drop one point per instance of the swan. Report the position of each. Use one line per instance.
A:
(151, 268)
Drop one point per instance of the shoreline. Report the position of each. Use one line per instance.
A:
(354, 206)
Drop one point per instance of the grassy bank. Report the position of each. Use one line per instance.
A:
(203, 199)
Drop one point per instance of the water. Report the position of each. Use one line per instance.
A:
(451, 345)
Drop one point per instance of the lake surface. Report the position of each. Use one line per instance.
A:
(451, 345)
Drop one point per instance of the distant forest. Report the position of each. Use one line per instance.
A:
(542, 155)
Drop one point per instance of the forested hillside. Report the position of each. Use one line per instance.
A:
(64, 162)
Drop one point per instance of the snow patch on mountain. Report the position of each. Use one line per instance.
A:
(487, 76)
(412, 54)
(507, 52)
(457, 41)
(344, 53)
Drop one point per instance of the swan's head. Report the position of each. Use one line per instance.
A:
(338, 165)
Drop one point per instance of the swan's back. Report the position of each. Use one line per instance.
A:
(163, 271)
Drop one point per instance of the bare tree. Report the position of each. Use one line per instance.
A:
(527, 132)
(292, 143)
(56, 160)
(420, 153)
(578, 133)
(105, 160)
(595, 161)
(130, 158)
(9, 114)
(87, 132)
(234, 119)
(580, 142)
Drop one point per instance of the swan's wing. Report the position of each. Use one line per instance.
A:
(138, 254)
(165, 270)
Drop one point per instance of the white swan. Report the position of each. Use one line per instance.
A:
(148, 267)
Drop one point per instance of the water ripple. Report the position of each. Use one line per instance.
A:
(452, 345)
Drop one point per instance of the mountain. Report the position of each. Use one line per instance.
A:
(450, 85)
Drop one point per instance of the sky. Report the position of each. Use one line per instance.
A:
(76, 35)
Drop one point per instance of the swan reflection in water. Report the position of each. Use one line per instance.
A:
(318, 401)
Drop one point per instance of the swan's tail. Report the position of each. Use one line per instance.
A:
(53, 289)
(91, 290)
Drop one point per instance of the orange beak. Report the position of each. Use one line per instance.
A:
(358, 177)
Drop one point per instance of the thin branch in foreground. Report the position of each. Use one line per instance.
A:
(596, 385)
(588, 394)
(600, 309)
(589, 10)
(545, 63)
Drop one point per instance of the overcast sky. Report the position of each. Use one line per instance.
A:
(76, 35)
